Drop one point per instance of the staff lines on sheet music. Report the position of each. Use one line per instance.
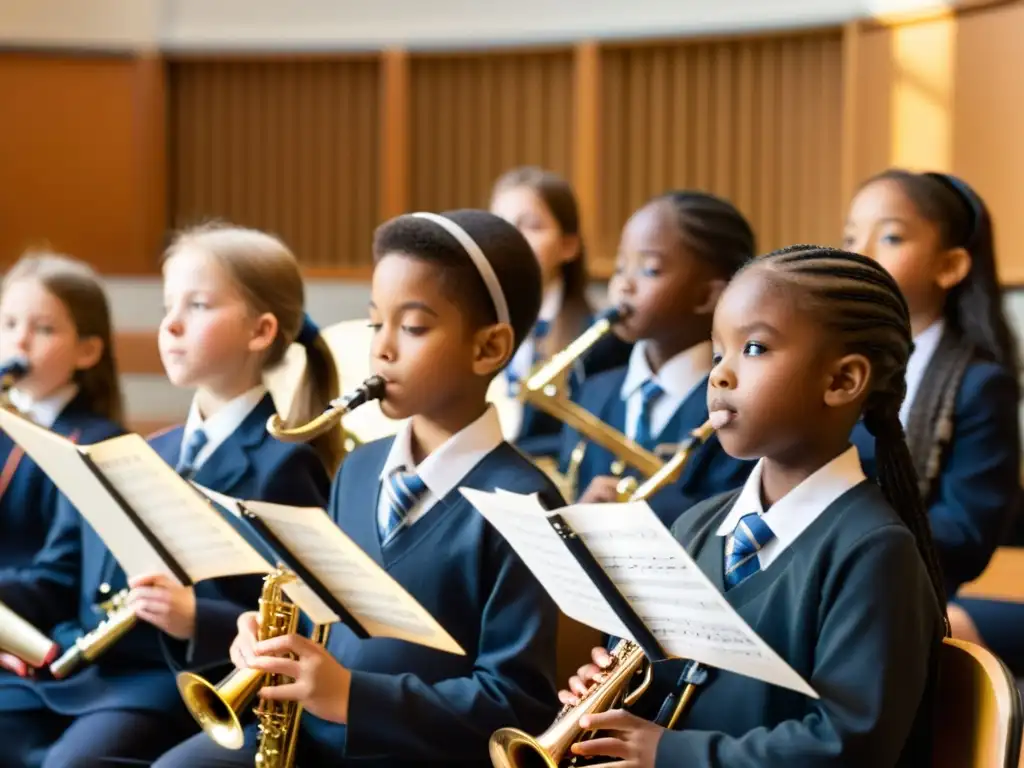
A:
(575, 587)
(596, 536)
(193, 547)
(352, 583)
(334, 573)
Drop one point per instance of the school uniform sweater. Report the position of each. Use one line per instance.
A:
(75, 571)
(410, 705)
(848, 604)
(28, 498)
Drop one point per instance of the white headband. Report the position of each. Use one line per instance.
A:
(483, 266)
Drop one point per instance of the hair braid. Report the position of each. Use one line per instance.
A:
(714, 228)
(860, 301)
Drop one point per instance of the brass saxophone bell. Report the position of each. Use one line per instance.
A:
(513, 748)
(216, 707)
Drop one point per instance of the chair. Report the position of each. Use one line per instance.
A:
(978, 714)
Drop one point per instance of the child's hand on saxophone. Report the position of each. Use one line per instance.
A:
(12, 663)
(631, 739)
(166, 605)
(602, 490)
(320, 684)
(586, 676)
(243, 647)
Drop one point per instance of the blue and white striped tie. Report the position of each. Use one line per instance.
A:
(404, 489)
(186, 465)
(746, 540)
(649, 394)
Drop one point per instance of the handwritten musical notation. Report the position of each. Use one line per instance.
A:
(666, 589)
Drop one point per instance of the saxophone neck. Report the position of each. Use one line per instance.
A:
(560, 362)
(671, 469)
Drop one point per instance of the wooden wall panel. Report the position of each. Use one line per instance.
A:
(756, 120)
(289, 146)
(474, 116)
(989, 123)
(941, 93)
(82, 158)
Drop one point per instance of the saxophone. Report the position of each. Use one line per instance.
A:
(119, 615)
(512, 748)
(216, 708)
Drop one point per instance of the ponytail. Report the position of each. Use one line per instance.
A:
(268, 276)
(319, 386)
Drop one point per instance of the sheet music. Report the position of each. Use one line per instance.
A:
(523, 523)
(671, 594)
(62, 461)
(375, 600)
(297, 591)
(194, 533)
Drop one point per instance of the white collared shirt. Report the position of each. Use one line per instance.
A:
(46, 411)
(678, 377)
(925, 344)
(793, 513)
(443, 469)
(221, 425)
(521, 365)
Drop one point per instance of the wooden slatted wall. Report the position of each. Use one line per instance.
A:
(757, 120)
(474, 116)
(290, 146)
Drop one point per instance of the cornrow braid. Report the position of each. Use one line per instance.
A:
(861, 302)
(714, 228)
(931, 422)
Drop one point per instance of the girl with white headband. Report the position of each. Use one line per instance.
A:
(453, 297)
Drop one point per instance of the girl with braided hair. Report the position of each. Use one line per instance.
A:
(676, 255)
(933, 233)
(837, 573)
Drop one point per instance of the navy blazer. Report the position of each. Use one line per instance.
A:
(540, 431)
(977, 490)
(411, 705)
(75, 570)
(710, 469)
(28, 498)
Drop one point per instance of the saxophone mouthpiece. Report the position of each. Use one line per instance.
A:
(614, 315)
(12, 371)
(371, 389)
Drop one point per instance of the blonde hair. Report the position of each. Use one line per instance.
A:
(78, 288)
(268, 277)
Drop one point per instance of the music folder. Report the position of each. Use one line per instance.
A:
(155, 521)
(616, 568)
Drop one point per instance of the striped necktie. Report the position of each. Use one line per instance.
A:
(404, 490)
(186, 464)
(748, 537)
(649, 394)
(540, 331)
